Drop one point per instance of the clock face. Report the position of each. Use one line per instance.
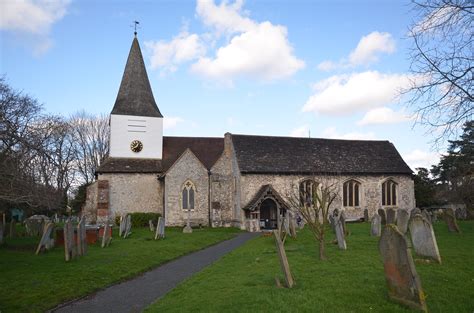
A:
(136, 146)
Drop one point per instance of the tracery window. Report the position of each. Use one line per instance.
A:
(351, 193)
(389, 193)
(188, 196)
(308, 189)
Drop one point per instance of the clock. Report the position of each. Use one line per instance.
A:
(136, 146)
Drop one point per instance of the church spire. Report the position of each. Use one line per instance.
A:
(135, 96)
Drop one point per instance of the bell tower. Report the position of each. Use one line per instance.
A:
(136, 123)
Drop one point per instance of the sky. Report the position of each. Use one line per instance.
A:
(327, 69)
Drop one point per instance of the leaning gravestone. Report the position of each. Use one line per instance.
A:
(366, 215)
(46, 241)
(383, 216)
(342, 219)
(391, 216)
(450, 219)
(423, 238)
(128, 226)
(69, 242)
(376, 226)
(152, 227)
(402, 220)
(81, 237)
(285, 267)
(160, 229)
(106, 239)
(340, 234)
(403, 283)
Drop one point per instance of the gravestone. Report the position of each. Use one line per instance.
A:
(426, 215)
(403, 283)
(402, 220)
(366, 215)
(423, 238)
(160, 229)
(81, 237)
(106, 238)
(332, 222)
(123, 221)
(69, 242)
(292, 226)
(128, 226)
(46, 241)
(376, 225)
(152, 227)
(285, 267)
(391, 216)
(415, 211)
(342, 220)
(340, 235)
(383, 216)
(450, 220)
(187, 229)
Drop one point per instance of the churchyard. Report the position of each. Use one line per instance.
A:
(350, 280)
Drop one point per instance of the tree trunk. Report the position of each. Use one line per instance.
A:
(322, 250)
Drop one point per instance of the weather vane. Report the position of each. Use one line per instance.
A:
(136, 23)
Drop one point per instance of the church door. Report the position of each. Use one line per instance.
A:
(268, 214)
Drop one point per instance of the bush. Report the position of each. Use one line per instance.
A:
(140, 219)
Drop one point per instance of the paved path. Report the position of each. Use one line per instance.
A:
(136, 294)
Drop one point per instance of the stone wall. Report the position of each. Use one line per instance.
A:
(133, 193)
(370, 192)
(89, 210)
(187, 167)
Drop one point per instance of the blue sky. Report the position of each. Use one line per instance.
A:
(286, 68)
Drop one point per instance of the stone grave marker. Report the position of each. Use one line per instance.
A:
(69, 242)
(383, 216)
(450, 220)
(123, 221)
(342, 220)
(415, 211)
(285, 267)
(128, 226)
(426, 215)
(340, 235)
(152, 227)
(423, 238)
(81, 237)
(391, 216)
(46, 241)
(403, 283)
(376, 225)
(402, 220)
(160, 229)
(188, 229)
(106, 238)
(366, 215)
(292, 226)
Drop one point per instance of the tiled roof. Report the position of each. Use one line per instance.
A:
(265, 192)
(289, 155)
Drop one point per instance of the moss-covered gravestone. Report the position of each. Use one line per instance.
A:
(403, 283)
(402, 220)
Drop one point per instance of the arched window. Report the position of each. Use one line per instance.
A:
(188, 196)
(351, 193)
(308, 189)
(389, 193)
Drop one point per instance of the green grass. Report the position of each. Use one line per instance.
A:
(349, 281)
(30, 283)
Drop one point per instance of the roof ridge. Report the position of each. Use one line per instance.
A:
(318, 138)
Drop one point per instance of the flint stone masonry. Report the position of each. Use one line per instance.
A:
(403, 283)
(423, 238)
(402, 221)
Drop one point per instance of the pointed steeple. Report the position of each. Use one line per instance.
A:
(135, 96)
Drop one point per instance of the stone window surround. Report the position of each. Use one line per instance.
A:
(193, 186)
(396, 184)
(360, 192)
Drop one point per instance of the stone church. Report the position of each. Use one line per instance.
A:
(235, 180)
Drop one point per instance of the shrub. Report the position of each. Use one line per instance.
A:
(140, 219)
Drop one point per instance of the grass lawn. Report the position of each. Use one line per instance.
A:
(349, 281)
(30, 283)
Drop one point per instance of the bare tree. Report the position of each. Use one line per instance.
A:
(442, 65)
(312, 200)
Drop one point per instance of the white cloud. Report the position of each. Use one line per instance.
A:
(419, 158)
(367, 51)
(171, 122)
(332, 133)
(383, 115)
(182, 48)
(224, 18)
(32, 19)
(345, 94)
(302, 131)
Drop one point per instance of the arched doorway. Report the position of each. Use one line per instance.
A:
(268, 214)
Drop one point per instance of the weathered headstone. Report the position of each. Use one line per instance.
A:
(391, 216)
(376, 225)
(106, 239)
(383, 216)
(46, 241)
(402, 220)
(187, 229)
(128, 226)
(426, 215)
(423, 238)
(450, 219)
(366, 215)
(403, 283)
(123, 221)
(285, 267)
(81, 237)
(292, 226)
(342, 220)
(69, 242)
(152, 227)
(415, 211)
(340, 236)
(160, 229)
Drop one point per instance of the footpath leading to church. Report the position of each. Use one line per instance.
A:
(136, 294)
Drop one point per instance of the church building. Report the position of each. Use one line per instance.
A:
(236, 180)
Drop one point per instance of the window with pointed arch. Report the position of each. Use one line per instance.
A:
(187, 196)
(389, 193)
(308, 189)
(351, 193)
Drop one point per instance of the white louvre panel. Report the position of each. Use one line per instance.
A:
(126, 128)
